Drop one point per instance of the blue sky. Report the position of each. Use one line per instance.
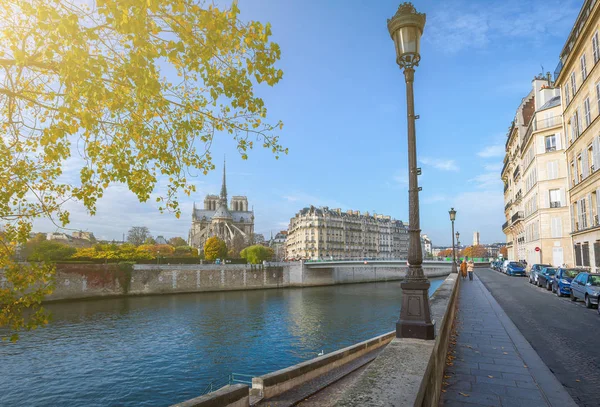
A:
(342, 99)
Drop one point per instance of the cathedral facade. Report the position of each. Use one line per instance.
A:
(229, 223)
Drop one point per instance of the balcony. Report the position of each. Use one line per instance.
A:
(518, 196)
(517, 216)
(550, 149)
(505, 225)
(516, 173)
(547, 122)
(555, 205)
(507, 205)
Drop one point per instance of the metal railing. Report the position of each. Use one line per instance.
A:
(555, 204)
(547, 122)
(227, 381)
(517, 216)
(505, 225)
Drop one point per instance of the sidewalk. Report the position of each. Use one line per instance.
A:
(493, 363)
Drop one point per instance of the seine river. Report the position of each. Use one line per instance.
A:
(160, 350)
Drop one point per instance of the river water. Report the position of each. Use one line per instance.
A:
(160, 350)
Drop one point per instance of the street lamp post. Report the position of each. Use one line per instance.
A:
(457, 246)
(452, 213)
(406, 28)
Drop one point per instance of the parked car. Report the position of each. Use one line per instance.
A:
(515, 268)
(504, 265)
(561, 285)
(586, 286)
(533, 272)
(545, 278)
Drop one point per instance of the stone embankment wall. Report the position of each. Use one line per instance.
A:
(75, 281)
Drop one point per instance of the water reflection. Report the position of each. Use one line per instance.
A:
(159, 350)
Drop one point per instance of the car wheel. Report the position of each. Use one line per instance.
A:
(552, 288)
(548, 287)
(558, 293)
(573, 298)
(588, 303)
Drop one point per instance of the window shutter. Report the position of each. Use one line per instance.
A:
(585, 167)
(572, 128)
(563, 199)
(549, 173)
(579, 121)
(591, 212)
(541, 145)
(571, 209)
(559, 227)
(596, 152)
(576, 171)
(579, 215)
(547, 199)
(553, 227)
(598, 202)
(558, 137)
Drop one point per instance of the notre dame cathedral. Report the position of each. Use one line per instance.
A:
(217, 219)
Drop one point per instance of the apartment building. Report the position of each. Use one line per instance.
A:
(578, 75)
(535, 177)
(323, 233)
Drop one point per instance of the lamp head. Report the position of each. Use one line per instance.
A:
(452, 213)
(406, 28)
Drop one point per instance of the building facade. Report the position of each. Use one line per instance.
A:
(218, 219)
(535, 180)
(476, 239)
(578, 75)
(323, 233)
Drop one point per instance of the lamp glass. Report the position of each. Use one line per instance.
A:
(452, 213)
(407, 40)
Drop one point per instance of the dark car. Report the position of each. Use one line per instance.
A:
(561, 285)
(545, 278)
(586, 286)
(533, 272)
(515, 268)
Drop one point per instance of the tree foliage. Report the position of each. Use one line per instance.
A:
(445, 253)
(138, 235)
(135, 91)
(49, 250)
(215, 248)
(504, 252)
(257, 254)
(177, 241)
(477, 251)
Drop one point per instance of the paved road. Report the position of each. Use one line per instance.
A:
(565, 335)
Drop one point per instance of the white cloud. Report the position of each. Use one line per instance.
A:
(459, 25)
(496, 150)
(443, 165)
(429, 199)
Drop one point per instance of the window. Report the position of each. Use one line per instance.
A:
(595, 50)
(586, 254)
(573, 84)
(555, 198)
(578, 254)
(551, 143)
(583, 68)
(586, 110)
(582, 214)
(597, 252)
(567, 93)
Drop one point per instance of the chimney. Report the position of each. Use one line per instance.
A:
(549, 77)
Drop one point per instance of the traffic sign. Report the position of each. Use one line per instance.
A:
(537, 249)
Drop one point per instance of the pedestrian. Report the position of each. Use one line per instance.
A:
(470, 268)
(463, 269)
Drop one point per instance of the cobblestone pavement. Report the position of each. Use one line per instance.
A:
(565, 335)
(489, 359)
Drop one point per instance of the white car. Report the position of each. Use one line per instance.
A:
(504, 265)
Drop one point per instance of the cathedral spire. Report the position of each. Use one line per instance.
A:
(224, 186)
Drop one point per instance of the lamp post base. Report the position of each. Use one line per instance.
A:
(415, 318)
(454, 269)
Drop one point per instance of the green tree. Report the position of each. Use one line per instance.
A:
(257, 254)
(150, 241)
(49, 250)
(177, 241)
(215, 248)
(91, 81)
